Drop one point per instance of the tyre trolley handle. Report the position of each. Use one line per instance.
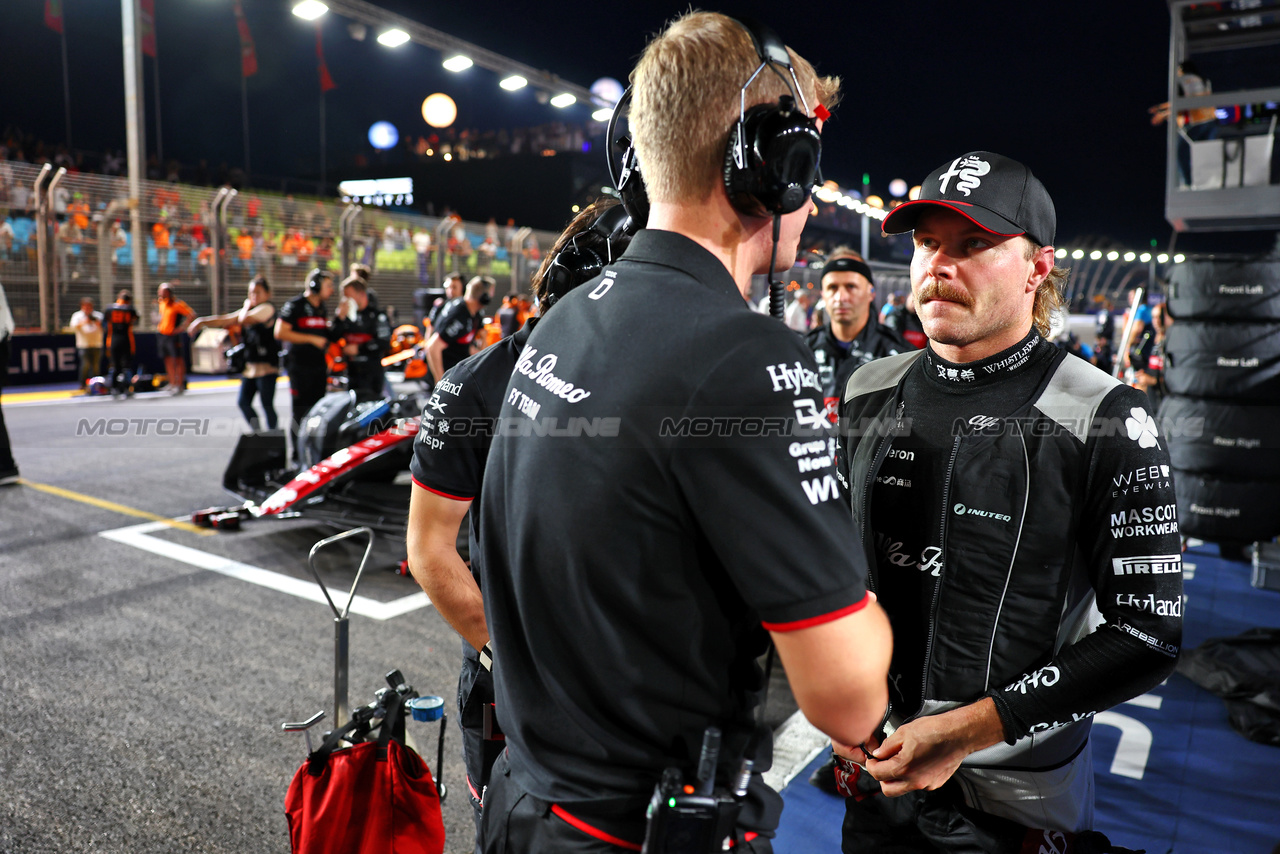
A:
(341, 619)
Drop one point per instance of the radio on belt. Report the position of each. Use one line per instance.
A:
(693, 818)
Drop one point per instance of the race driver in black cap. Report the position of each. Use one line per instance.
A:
(1007, 492)
(853, 335)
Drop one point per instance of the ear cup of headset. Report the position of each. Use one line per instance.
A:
(315, 280)
(574, 265)
(778, 148)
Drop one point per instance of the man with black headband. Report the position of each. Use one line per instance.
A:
(852, 335)
(1007, 493)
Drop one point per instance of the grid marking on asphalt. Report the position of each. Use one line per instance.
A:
(139, 537)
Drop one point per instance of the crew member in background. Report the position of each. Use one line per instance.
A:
(508, 316)
(452, 290)
(853, 336)
(799, 312)
(1005, 490)
(87, 325)
(612, 662)
(256, 319)
(172, 332)
(366, 331)
(8, 468)
(453, 335)
(448, 470)
(303, 325)
(121, 348)
(891, 312)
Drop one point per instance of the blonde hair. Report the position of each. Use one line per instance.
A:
(1049, 294)
(685, 101)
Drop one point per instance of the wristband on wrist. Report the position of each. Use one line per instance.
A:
(846, 773)
(486, 657)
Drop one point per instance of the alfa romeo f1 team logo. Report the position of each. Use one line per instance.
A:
(970, 170)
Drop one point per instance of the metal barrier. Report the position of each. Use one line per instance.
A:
(71, 240)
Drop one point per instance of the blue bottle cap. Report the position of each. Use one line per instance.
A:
(426, 708)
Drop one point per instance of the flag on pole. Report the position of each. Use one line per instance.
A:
(53, 15)
(147, 25)
(326, 82)
(248, 56)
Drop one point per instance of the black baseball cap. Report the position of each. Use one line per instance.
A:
(996, 193)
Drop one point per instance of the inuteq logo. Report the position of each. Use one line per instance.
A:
(970, 170)
(1141, 428)
(961, 510)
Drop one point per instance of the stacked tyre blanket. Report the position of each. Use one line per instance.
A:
(1222, 415)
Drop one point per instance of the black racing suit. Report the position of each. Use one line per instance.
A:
(837, 360)
(119, 322)
(1002, 505)
(308, 370)
(370, 331)
(449, 457)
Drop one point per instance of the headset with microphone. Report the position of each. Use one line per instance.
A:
(315, 280)
(771, 160)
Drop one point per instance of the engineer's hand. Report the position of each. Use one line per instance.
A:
(925, 752)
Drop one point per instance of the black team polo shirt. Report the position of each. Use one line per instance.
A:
(662, 490)
(457, 327)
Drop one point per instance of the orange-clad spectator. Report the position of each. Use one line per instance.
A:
(306, 248)
(79, 211)
(244, 247)
(160, 234)
(174, 317)
(289, 249)
(254, 207)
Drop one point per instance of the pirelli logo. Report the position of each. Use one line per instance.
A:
(1147, 565)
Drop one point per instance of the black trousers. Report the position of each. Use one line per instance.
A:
(475, 693)
(121, 365)
(306, 387)
(515, 822)
(924, 823)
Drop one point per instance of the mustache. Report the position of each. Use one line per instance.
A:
(941, 289)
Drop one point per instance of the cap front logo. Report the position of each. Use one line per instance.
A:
(970, 171)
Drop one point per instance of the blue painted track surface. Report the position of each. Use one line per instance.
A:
(1203, 788)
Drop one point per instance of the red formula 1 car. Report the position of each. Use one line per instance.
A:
(354, 454)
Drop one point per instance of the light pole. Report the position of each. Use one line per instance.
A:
(133, 119)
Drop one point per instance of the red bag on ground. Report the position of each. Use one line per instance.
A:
(377, 797)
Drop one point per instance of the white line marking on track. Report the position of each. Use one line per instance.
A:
(138, 536)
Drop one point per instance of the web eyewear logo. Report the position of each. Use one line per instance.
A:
(970, 171)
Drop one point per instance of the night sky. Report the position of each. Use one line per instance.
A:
(1062, 86)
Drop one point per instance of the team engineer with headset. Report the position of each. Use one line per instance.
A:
(625, 608)
(627, 605)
